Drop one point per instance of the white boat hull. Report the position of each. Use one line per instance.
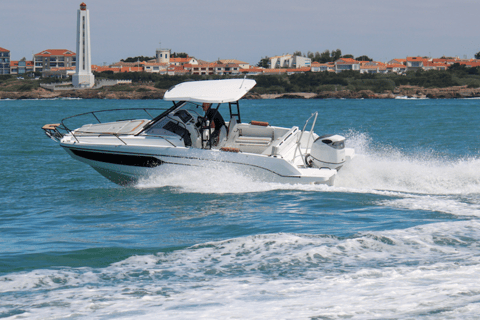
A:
(115, 163)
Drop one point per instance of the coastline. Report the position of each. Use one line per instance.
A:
(138, 92)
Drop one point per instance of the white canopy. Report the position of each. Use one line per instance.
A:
(213, 91)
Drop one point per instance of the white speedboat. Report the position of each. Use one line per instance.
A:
(126, 151)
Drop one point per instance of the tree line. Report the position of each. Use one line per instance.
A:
(317, 82)
(324, 57)
(144, 58)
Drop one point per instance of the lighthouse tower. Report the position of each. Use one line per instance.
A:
(83, 77)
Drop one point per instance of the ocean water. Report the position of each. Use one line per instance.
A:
(397, 237)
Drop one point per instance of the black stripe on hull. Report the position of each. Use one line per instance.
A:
(126, 160)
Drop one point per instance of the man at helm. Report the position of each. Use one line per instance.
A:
(216, 122)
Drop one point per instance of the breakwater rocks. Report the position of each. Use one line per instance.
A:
(400, 92)
(128, 92)
(150, 92)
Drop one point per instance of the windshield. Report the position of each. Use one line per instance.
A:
(183, 122)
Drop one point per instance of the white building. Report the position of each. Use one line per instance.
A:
(289, 61)
(163, 55)
(83, 77)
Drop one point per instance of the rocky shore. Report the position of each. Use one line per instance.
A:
(150, 92)
(400, 92)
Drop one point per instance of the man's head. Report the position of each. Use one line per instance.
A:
(205, 106)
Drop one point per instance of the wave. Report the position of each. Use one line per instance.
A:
(387, 168)
(410, 98)
(373, 169)
(426, 272)
(420, 181)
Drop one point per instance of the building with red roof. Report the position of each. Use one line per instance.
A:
(322, 67)
(226, 69)
(415, 63)
(155, 67)
(344, 64)
(4, 61)
(429, 65)
(252, 71)
(54, 58)
(203, 69)
(397, 61)
(241, 64)
(182, 61)
(373, 67)
(21, 67)
(396, 67)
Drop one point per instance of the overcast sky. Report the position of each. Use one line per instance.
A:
(246, 30)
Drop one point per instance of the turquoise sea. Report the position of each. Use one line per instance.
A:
(397, 237)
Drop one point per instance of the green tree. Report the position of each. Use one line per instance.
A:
(363, 58)
(264, 62)
(336, 54)
(477, 55)
(347, 56)
(325, 57)
(179, 55)
(137, 59)
(298, 53)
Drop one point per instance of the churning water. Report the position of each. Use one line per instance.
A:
(397, 237)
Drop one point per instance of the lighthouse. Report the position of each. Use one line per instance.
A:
(83, 77)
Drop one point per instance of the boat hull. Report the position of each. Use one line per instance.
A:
(127, 165)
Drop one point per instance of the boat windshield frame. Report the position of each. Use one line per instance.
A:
(181, 104)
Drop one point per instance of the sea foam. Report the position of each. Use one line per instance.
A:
(403, 274)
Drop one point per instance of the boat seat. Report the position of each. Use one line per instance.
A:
(244, 140)
(119, 127)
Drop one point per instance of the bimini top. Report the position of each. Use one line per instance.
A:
(213, 91)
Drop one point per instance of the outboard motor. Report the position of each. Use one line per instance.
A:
(327, 152)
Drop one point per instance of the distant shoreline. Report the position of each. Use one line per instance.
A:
(150, 92)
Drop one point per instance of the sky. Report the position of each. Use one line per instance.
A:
(246, 30)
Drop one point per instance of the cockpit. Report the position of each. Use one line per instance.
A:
(187, 122)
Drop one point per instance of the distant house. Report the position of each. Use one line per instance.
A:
(397, 61)
(289, 61)
(4, 61)
(241, 64)
(449, 61)
(344, 64)
(415, 63)
(203, 68)
(21, 67)
(155, 67)
(428, 65)
(322, 67)
(54, 58)
(372, 67)
(176, 70)
(396, 67)
(252, 71)
(472, 63)
(284, 61)
(298, 70)
(274, 71)
(226, 68)
(182, 61)
(302, 62)
(62, 72)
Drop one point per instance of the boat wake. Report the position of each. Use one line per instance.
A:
(400, 274)
(387, 168)
(414, 182)
(383, 169)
